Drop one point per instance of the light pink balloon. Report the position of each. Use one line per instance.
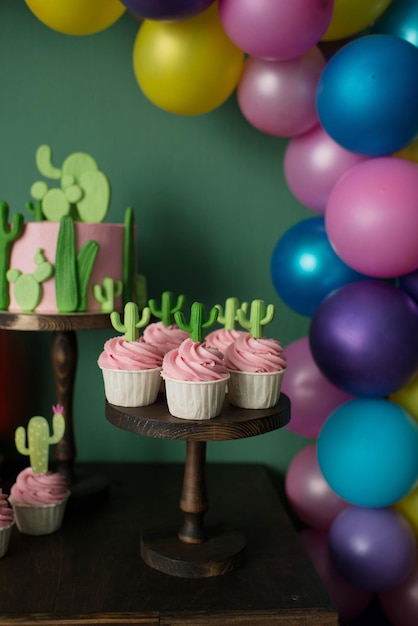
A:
(400, 603)
(371, 217)
(310, 496)
(278, 97)
(349, 601)
(275, 29)
(312, 395)
(313, 163)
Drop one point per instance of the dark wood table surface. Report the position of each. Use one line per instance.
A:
(91, 571)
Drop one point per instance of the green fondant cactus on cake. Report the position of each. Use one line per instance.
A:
(107, 292)
(198, 321)
(229, 318)
(132, 321)
(259, 317)
(8, 235)
(36, 440)
(166, 311)
(28, 287)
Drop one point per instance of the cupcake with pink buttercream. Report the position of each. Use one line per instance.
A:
(130, 366)
(195, 374)
(256, 363)
(39, 496)
(221, 338)
(165, 334)
(7, 519)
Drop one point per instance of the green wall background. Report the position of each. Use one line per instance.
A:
(208, 192)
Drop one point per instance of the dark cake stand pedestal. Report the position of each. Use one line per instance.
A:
(64, 356)
(194, 550)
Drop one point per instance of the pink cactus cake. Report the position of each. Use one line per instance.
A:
(256, 363)
(7, 519)
(66, 260)
(195, 374)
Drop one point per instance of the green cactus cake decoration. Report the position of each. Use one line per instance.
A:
(165, 312)
(8, 235)
(132, 321)
(198, 321)
(260, 316)
(229, 318)
(35, 441)
(28, 287)
(107, 292)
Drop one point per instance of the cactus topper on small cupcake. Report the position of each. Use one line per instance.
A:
(259, 317)
(39, 439)
(132, 321)
(198, 321)
(229, 318)
(168, 308)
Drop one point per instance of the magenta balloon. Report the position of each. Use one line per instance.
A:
(313, 163)
(275, 29)
(371, 217)
(310, 496)
(312, 395)
(400, 603)
(349, 601)
(278, 97)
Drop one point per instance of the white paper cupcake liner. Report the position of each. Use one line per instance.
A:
(131, 388)
(42, 519)
(254, 390)
(5, 539)
(195, 400)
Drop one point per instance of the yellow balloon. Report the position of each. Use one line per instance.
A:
(352, 16)
(408, 507)
(410, 152)
(187, 67)
(407, 397)
(77, 17)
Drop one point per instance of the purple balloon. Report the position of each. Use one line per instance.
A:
(409, 284)
(364, 338)
(166, 10)
(374, 549)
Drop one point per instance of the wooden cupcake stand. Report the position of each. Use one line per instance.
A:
(194, 550)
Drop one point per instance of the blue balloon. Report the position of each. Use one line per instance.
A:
(368, 452)
(400, 19)
(367, 95)
(305, 268)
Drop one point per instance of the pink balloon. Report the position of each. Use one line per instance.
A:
(349, 601)
(312, 395)
(400, 603)
(371, 217)
(313, 163)
(275, 29)
(278, 97)
(310, 496)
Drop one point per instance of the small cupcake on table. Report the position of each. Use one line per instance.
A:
(256, 363)
(165, 334)
(223, 337)
(195, 374)
(39, 496)
(7, 520)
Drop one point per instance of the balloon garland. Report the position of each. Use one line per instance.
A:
(339, 79)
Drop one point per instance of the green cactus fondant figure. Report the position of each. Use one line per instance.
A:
(131, 320)
(229, 318)
(39, 438)
(259, 317)
(28, 287)
(198, 321)
(167, 309)
(141, 290)
(129, 258)
(8, 235)
(107, 292)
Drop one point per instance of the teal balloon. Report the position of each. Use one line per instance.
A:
(305, 269)
(368, 452)
(399, 19)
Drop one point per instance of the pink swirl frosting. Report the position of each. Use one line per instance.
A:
(119, 354)
(194, 361)
(222, 338)
(165, 337)
(6, 513)
(35, 489)
(248, 354)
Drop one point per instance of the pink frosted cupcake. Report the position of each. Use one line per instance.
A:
(130, 366)
(165, 334)
(7, 519)
(195, 374)
(256, 364)
(223, 337)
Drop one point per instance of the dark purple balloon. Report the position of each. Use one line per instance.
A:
(364, 338)
(374, 549)
(166, 10)
(409, 284)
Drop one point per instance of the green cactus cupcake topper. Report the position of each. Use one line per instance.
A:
(36, 440)
(229, 319)
(168, 308)
(198, 321)
(259, 317)
(132, 322)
